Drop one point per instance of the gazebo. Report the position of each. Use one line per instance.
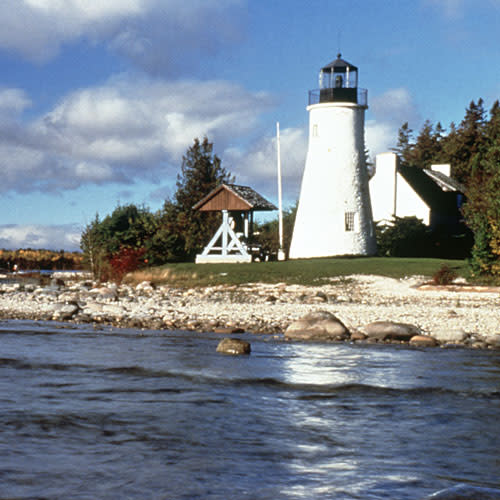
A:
(232, 241)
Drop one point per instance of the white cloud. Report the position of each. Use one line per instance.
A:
(13, 102)
(395, 106)
(257, 164)
(389, 110)
(14, 236)
(149, 32)
(122, 131)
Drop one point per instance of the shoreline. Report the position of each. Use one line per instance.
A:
(455, 315)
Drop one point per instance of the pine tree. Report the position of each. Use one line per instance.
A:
(404, 147)
(428, 148)
(465, 141)
(187, 230)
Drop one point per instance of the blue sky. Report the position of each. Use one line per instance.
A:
(99, 99)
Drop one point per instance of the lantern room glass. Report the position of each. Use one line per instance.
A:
(344, 77)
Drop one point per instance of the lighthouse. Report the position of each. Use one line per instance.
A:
(334, 214)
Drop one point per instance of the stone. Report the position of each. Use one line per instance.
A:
(145, 287)
(449, 335)
(317, 325)
(357, 336)
(423, 341)
(226, 330)
(105, 293)
(389, 330)
(493, 340)
(233, 346)
(64, 312)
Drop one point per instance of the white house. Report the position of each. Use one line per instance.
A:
(428, 194)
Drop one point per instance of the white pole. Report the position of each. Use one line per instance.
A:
(281, 252)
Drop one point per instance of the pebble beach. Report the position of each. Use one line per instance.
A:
(457, 314)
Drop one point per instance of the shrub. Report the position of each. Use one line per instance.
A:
(404, 237)
(126, 260)
(444, 276)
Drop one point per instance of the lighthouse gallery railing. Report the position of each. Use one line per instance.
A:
(354, 95)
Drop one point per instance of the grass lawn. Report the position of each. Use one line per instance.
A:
(306, 272)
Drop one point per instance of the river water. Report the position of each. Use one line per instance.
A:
(128, 414)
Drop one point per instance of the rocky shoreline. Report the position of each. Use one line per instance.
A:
(457, 315)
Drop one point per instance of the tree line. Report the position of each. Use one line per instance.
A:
(23, 259)
(472, 148)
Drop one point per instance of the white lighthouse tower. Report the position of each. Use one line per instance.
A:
(334, 214)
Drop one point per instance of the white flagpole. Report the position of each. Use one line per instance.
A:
(281, 252)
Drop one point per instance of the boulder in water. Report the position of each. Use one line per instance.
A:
(390, 330)
(423, 341)
(233, 346)
(317, 325)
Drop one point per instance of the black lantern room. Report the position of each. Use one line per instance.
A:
(338, 82)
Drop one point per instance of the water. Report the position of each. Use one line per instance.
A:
(125, 414)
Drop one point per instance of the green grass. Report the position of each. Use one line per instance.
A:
(306, 272)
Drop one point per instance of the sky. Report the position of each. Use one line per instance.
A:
(100, 99)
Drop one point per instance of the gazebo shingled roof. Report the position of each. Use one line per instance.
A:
(233, 197)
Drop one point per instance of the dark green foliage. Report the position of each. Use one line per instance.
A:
(464, 142)
(482, 210)
(128, 226)
(404, 147)
(183, 230)
(129, 229)
(267, 234)
(405, 237)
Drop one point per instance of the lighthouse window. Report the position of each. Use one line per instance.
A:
(350, 219)
(315, 130)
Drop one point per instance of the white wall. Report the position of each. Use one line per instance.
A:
(391, 195)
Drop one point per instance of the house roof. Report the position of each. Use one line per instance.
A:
(444, 182)
(437, 190)
(235, 198)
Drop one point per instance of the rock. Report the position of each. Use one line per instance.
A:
(493, 340)
(145, 287)
(105, 293)
(226, 330)
(449, 335)
(356, 336)
(423, 341)
(64, 312)
(318, 325)
(57, 283)
(233, 346)
(388, 330)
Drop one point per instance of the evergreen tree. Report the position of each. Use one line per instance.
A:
(427, 149)
(186, 230)
(92, 244)
(404, 147)
(464, 142)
